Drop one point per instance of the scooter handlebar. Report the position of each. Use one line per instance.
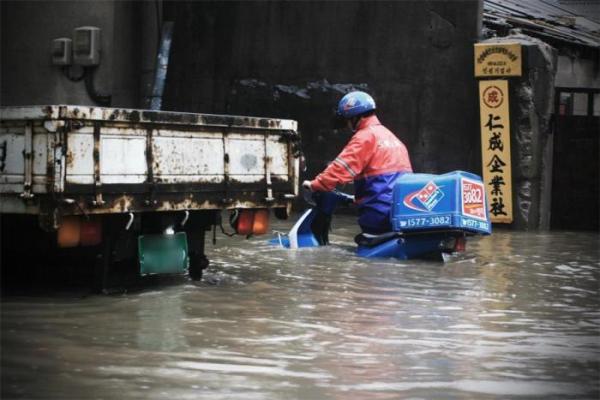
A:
(345, 198)
(327, 201)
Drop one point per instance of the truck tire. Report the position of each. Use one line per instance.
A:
(198, 263)
(102, 265)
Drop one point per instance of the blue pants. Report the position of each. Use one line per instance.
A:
(370, 219)
(374, 222)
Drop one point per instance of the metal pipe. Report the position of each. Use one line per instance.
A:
(162, 63)
(130, 222)
(185, 219)
(150, 27)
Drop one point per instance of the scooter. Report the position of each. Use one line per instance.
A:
(431, 217)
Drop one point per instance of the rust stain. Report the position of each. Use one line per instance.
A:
(50, 170)
(174, 202)
(164, 118)
(134, 116)
(69, 158)
(47, 111)
(114, 115)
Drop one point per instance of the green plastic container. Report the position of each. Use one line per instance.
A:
(163, 254)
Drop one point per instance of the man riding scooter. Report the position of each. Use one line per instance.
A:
(374, 159)
(402, 215)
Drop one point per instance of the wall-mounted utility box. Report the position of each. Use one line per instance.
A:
(62, 51)
(86, 45)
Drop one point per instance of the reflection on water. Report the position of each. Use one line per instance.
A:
(519, 319)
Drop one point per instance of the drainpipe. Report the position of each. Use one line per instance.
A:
(479, 25)
(162, 63)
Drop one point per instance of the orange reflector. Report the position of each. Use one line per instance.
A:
(245, 222)
(69, 232)
(261, 222)
(91, 232)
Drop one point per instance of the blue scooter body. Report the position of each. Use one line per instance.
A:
(312, 228)
(430, 215)
(407, 247)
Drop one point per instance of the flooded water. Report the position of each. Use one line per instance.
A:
(519, 319)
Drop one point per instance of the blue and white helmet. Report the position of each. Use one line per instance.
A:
(355, 103)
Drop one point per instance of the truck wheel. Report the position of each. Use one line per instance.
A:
(102, 266)
(198, 263)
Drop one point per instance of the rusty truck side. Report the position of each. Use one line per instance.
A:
(112, 172)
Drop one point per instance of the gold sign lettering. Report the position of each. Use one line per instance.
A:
(497, 59)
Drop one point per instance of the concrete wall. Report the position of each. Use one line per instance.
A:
(279, 59)
(28, 28)
(282, 59)
(297, 59)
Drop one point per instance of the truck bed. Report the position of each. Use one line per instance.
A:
(80, 159)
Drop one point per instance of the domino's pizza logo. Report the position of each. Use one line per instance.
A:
(424, 199)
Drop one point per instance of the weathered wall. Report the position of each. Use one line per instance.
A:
(296, 59)
(532, 132)
(28, 28)
(576, 71)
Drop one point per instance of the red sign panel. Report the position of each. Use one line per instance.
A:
(473, 199)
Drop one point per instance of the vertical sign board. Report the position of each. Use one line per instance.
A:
(495, 148)
(493, 60)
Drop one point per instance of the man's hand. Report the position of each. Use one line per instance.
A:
(306, 185)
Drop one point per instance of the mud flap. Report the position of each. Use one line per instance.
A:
(163, 254)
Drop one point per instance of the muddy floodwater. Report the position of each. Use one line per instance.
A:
(519, 318)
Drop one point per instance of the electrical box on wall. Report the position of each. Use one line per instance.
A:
(86, 45)
(61, 51)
